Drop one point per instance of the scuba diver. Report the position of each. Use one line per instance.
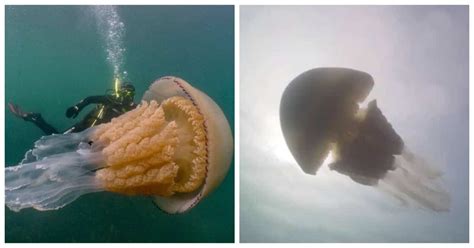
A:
(110, 105)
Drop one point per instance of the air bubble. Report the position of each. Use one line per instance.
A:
(112, 31)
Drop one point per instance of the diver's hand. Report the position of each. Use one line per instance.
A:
(72, 112)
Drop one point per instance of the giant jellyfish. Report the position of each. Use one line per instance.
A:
(176, 146)
(320, 115)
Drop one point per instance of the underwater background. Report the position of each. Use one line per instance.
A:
(57, 55)
(418, 57)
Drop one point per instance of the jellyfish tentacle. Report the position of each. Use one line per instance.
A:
(51, 182)
(59, 143)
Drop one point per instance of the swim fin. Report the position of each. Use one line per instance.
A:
(16, 110)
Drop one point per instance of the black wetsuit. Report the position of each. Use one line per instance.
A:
(107, 108)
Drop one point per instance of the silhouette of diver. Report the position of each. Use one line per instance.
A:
(110, 105)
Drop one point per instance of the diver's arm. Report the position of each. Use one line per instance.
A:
(74, 110)
(93, 99)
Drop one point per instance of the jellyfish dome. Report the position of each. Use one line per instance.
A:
(176, 146)
(316, 107)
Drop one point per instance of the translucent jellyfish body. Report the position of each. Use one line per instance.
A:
(319, 114)
(175, 146)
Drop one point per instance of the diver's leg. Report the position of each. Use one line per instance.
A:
(36, 118)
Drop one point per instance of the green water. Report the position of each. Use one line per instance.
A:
(54, 57)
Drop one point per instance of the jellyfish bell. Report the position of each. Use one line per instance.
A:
(316, 107)
(175, 146)
(219, 140)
